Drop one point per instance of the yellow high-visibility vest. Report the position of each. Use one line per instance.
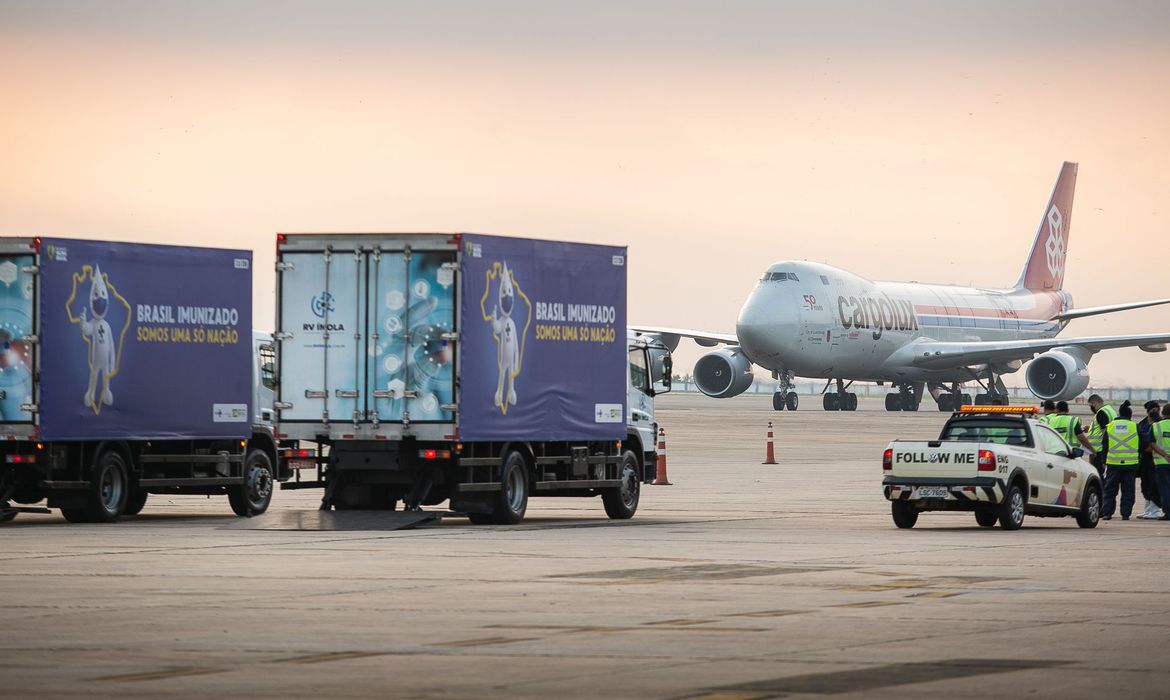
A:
(1066, 425)
(1095, 429)
(1122, 443)
(1162, 439)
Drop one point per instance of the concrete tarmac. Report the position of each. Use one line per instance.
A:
(741, 581)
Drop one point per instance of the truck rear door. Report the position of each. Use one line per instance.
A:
(366, 330)
(18, 329)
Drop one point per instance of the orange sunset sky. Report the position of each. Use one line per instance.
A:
(899, 140)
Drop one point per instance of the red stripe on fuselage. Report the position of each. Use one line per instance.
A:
(1047, 306)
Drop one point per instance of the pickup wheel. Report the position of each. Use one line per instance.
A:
(986, 518)
(136, 501)
(622, 502)
(512, 498)
(255, 494)
(1090, 513)
(1011, 512)
(905, 514)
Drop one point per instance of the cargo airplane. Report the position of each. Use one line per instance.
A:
(812, 320)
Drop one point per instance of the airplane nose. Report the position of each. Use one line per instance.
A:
(766, 322)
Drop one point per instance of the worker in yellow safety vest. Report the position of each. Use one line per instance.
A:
(1049, 411)
(1103, 415)
(1122, 448)
(1070, 428)
(1160, 446)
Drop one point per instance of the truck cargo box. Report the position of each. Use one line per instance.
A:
(129, 341)
(444, 337)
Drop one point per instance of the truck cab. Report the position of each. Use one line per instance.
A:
(649, 375)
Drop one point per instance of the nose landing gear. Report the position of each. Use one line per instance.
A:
(785, 397)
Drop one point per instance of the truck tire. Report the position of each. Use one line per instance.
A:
(905, 514)
(7, 515)
(1090, 513)
(1011, 511)
(512, 498)
(621, 503)
(986, 518)
(135, 501)
(253, 496)
(109, 486)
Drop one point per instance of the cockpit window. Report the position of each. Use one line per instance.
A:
(779, 277)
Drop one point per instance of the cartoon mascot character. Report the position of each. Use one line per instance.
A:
(101, 340)
(504, 328)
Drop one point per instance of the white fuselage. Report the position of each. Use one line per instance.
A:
(815, 320)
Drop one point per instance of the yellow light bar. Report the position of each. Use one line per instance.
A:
(998, 409)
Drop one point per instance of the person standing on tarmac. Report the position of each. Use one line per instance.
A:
(1146, 476)
(1049, 409)
(1069, 427)
(1103, 414)
(1161, 447)
(1121, 447)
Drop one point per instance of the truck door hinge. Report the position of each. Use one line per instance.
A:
(31, 269)
(31, 339)
(282, 266)
(310, 394)
(282, 405)
(450, 337)
(282, 336)
(449, 408)
(29, 407)
(345, 393)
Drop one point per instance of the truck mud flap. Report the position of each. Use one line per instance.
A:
(350, 520)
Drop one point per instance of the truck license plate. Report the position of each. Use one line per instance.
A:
(302, 464)
(931, 492)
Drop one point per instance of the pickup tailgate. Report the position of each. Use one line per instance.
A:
(936, 459)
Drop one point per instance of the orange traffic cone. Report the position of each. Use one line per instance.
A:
(771, 456)
(660, 478)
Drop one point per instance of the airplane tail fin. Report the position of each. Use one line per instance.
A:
(1044, 271)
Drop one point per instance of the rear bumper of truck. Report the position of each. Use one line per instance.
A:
(960, 494)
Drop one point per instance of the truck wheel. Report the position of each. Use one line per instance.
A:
(986, 518)
(108, 489)
(621, 503)
(253, 496)
(480, 518)
(135, 501)
(5, 514)
(905, 514)
(1090, 513)
(1011, 512)
(512, 498)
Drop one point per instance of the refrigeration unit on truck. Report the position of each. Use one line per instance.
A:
(130, 369)
(480, 369)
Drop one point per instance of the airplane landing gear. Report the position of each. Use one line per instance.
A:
(950, 399)
(907, 398)
(785, 397)
(841, 400)
(996, 394)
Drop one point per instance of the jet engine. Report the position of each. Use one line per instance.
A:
(724, 373)
(1058, 375)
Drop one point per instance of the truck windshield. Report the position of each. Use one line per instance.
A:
(1004, 432)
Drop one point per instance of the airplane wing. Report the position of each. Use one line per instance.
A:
(932, 354)
(1095, 310)
(671, 336)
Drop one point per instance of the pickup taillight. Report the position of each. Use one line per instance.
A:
(986, 461)
(888, 460)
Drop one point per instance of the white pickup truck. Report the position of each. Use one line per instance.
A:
(996, 461)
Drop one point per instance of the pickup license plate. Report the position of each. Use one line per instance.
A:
(931, 492)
